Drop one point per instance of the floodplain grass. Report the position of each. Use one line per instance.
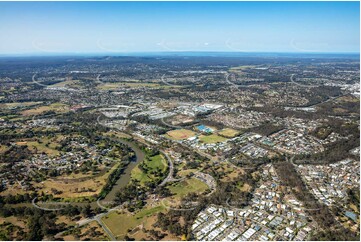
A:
(84, 188)
(154, 162)
(212, 139)
(180, 134)
(139, 175)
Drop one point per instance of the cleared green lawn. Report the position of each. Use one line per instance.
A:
(154, 163)
(182, 188)
(120, 223)
(180, 134)
(228, 132)
(149, 212)
(211, 139)
(140, 176)
(157, 161)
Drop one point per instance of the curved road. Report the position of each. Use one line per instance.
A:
(314, 105)
(301, 85)
(171, 170)
(98, 218)
(46, 209)
(236, 85)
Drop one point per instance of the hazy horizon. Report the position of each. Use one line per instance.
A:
(107, 28)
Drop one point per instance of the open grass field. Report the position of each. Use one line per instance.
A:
(119, 223)
(180, 134)
(182, 188)
(157, 161)
(41, 145)
(212, 139)
(139, 175)
(72, 190)
(18, 105)
(86, 232)
(228, 132)
(184, 172)
(153, 163)
(149, 211)
(230, 172)
(13, 190)
(3, 148)
(179, 119)
(351, 99)
(64, 219)
(56, 107)
(75, 177)
(339, 110)
(11, 227)
(245, 187)
(14, 220)
(39, 148)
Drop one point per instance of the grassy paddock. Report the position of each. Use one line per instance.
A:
(56, 107)
(211, 139)
(182, 188)
(120, 223)
(228, 132)
(180, 134)
(155, 162)
(84, 188)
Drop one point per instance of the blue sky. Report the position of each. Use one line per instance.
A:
(117, 27)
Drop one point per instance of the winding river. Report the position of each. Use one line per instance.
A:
(125, 176)
(123, 180)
